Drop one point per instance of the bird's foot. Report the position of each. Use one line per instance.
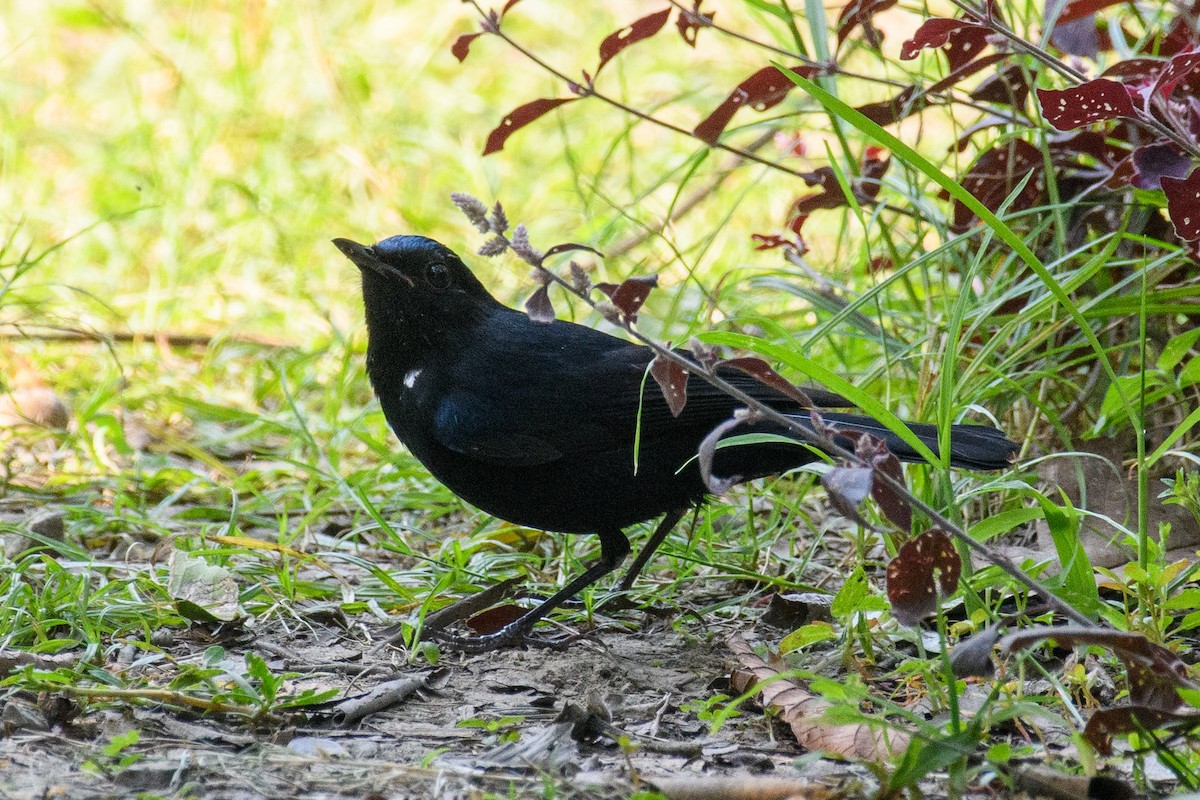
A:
(513, 635)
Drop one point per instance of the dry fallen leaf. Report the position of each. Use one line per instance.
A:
(802, 710)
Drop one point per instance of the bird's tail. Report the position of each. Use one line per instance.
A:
(971, 446)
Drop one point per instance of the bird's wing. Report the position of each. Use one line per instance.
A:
(465, 423)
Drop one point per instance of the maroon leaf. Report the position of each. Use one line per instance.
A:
(538, 306)
(1090, 143)
(1179, 68)
(963, 45)
(924, 566)
(672, 379)
(1136, 70)
(1178, 39)
(494, 619)
(630, 294)
(462, 45)
(861, 12)
(937, 32)
(639, 31)
(848, 487)
(1095, 101)
(1183, 204)
(1159, 160)
(689, 23)
(1154, 671)
(965, 71)
(874, 451)
(1008, 86)
(865, 187)
(1109, 722)
(761, 371)
(996, 173)
(762, 90)
(894, 110)
(769, 241)
(520, 117)
(1077, 9)
(568, 247)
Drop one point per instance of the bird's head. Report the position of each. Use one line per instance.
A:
(415, 288)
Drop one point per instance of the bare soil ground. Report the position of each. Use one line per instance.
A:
(556, 716)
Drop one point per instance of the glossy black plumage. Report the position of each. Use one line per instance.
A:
(535, 423)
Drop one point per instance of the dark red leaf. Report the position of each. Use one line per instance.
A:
(963, 45)
(924, 566)
(689, 23)
(769, 241)
(1008, 86)
(462, 45)
(1095, 101)
(1133, 71)
(848, 487)
(762, 372)
(1154, 671)
(629, 295)
(1078, 9)
(538, 306)
(796, 225)
(861, 12)
(888, 112)
(1183, 204)
(1121, 175)
(1159, 160)
(866, 188)
(996, 173)
(937, 32)
(894, 506)
(1178, 39)
(507, 6)
(494, 619)
(1108, 722)
(762, 90)
(672, 379)
(639, 31)
(1087, 143)
(1179, 68)
(568, 247)
(520, 117)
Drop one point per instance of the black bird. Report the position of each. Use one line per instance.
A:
(535, 423)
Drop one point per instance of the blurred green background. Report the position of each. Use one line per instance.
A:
(193, 160)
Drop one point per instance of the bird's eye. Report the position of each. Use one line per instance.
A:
(437, 275)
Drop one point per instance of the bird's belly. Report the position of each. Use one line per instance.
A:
(581, 495)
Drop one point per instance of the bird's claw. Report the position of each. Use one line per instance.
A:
(515, 635)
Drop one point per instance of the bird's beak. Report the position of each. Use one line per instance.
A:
(364, 257)
(360, 254)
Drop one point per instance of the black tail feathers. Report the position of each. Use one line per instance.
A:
(979, 447)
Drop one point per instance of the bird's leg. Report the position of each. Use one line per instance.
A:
(660, 533)
(613, 549)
